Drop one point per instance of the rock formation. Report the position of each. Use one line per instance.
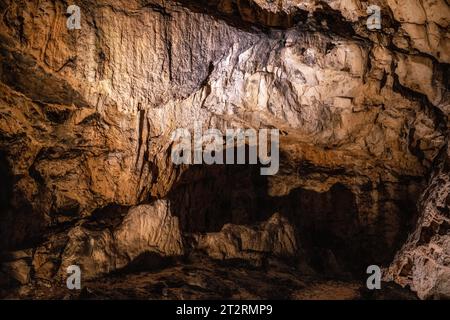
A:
(275, 237)
(423, 262)
(86, 118)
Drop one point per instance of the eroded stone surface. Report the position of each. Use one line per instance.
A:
(424, 261)
(202, 278)
(86, 118)
(145, 229)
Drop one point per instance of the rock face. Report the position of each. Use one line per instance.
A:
(86, 118)
(424, 261)
(275, 237)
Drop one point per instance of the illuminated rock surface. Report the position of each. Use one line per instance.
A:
(86, 118)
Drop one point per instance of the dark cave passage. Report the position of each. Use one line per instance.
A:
(208, 197)
(332, 237)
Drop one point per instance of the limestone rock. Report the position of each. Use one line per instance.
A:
(424, 261)
(275, 236)
(86, 118)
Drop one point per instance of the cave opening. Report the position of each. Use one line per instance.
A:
(332, 237)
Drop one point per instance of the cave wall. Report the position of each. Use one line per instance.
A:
(422, 263)
(86, 117)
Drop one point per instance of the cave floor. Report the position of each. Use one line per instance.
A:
(207, 279)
